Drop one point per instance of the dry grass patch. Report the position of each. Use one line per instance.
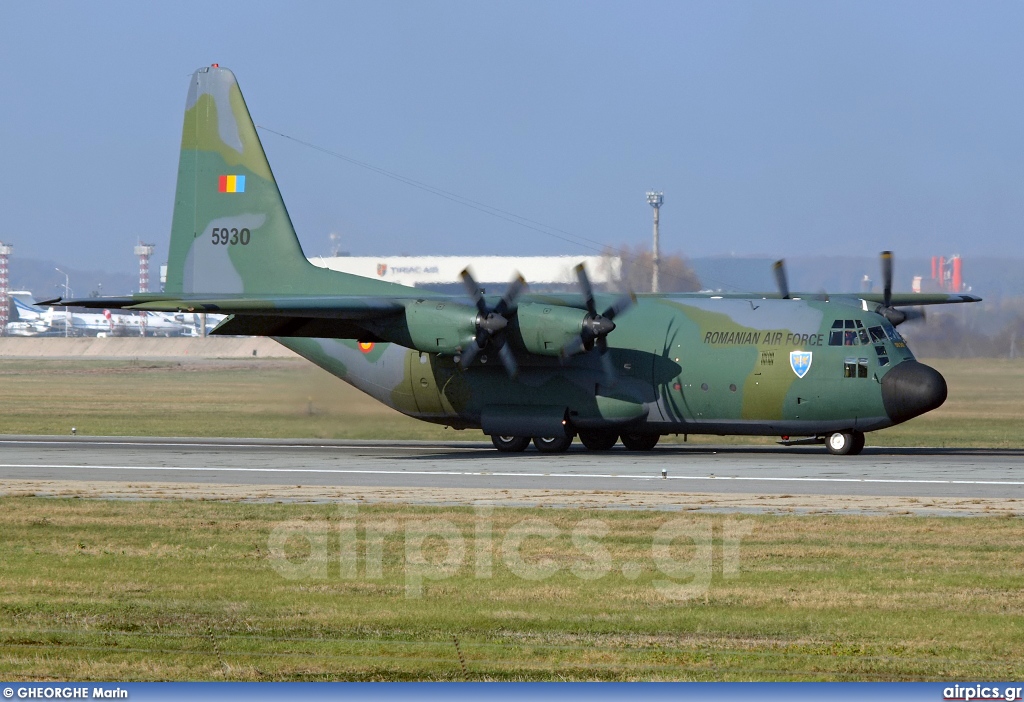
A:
(295, 399)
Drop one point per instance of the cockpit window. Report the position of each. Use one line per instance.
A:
(893, 335)
(877, 334)
(835, 337)
(849, 332)
(856, 368)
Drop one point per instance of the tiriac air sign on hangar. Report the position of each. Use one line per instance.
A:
(444, 270)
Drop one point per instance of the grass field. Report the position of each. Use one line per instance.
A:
(186, 590)
(294, 399)
(198, 590)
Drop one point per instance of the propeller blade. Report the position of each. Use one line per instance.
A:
(474, 292)
(586, 289)
(620, 305)
(781, 282)
(915, 314)
(610, 377)
(886, 278)
(508, 360)
(468, 354)
(513, 292)
(577, 345)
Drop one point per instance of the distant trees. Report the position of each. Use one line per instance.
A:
(981, 330)
(675, 273)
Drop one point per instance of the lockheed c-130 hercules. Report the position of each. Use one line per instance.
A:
(524, 366)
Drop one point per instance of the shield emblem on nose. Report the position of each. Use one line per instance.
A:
(382, 268)
(800, 362)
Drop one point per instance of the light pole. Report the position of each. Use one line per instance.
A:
(67, 294)
(654, 199)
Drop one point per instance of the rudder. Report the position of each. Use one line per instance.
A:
(230, 233)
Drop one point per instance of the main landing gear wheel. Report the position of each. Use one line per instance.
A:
(598, 440)
(640, 442)
(845, 443)
(510, 444)
(552, 444)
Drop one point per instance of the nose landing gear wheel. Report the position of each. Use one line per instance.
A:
(640, 442)
(510, 444)
(598, 440)
(552, 444)
(845, 443)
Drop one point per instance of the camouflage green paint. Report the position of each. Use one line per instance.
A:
(687, 363)
(219, 138)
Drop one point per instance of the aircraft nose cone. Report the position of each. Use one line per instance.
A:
(910, 389)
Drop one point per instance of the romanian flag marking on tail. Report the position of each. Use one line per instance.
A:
(232, 184)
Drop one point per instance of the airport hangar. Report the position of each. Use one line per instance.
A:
(442, 273)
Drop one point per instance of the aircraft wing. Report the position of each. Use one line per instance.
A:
(898, 299)
(915, 299)
(320, 316)
(302, 306)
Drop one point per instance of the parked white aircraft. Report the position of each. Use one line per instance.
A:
(34, 320)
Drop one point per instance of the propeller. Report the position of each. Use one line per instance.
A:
(779, 269)
(491, 322)
(895, 316)
(597, 326)
(886, 257)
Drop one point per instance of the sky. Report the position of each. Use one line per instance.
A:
(773, 128)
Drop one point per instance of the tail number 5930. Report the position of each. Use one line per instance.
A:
(225, 236)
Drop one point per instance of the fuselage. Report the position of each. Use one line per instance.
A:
(682, 364)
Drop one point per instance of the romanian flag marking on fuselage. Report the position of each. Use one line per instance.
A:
(232, 184)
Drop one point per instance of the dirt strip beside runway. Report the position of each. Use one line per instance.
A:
(583, 499)
(138, 347)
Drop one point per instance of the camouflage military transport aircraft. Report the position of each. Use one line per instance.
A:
(524, 367)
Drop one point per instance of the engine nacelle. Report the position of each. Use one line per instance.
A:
(546, 329)
(439, 326)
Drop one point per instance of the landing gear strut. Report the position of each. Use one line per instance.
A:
(845, 443)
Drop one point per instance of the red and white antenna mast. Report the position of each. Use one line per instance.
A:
(5, 288)
(144, 251)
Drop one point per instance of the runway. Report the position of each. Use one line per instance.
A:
(957, 474)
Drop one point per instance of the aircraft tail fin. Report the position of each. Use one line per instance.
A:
(231, 233)
(26, 307)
